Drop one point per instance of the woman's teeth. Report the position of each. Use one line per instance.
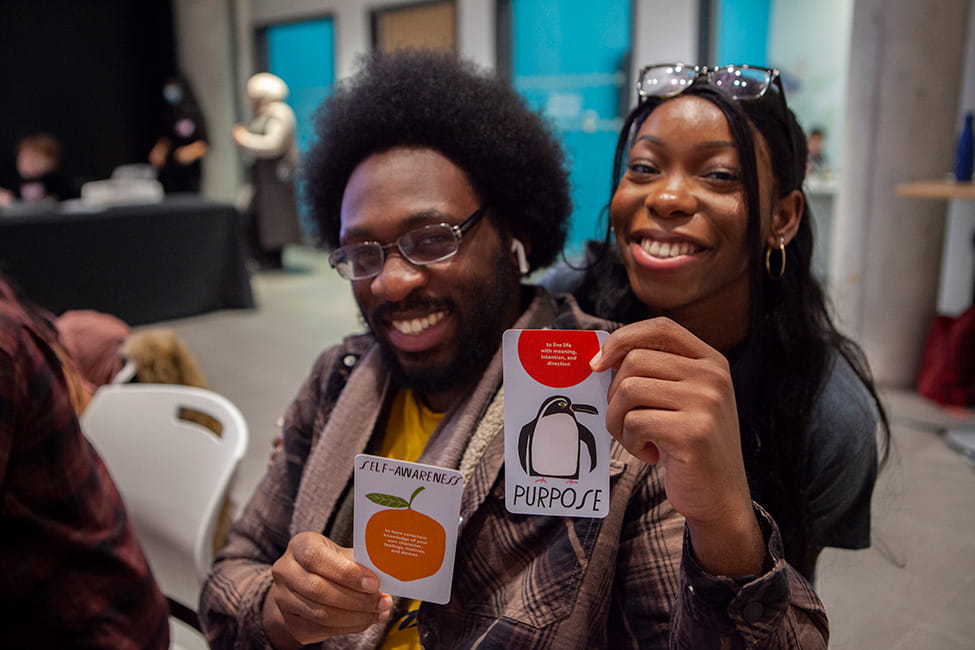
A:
(417, 325)
(666, 249)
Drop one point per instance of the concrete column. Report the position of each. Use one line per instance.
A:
(353, 36)
(905, 73)
(204, 47)
(476, 31)
(657, 40)
(245, 59)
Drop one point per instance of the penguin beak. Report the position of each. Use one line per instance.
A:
(585, 408)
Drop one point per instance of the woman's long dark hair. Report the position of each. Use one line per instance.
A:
(791, 333)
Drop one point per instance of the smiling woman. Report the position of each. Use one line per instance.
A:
(680, 220)
(712, 230)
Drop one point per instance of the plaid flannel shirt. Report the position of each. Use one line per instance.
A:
(72, 574)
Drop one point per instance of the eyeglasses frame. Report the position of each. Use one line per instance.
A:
(458, 231)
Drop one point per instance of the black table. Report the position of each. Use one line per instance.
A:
(146, 263)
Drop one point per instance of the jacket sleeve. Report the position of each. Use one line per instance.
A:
(662, 598)
(778, 609)
(278, 133)
(232, 600)
(843, 455)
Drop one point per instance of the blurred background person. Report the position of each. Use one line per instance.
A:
(817, 163)
(36, 174)
(269, 198)
(178, 153)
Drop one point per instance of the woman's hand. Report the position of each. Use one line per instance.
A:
(672, 402)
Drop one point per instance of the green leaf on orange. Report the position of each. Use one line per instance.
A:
(388, 500)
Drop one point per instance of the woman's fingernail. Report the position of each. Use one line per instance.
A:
(595, 360)
(370, 583)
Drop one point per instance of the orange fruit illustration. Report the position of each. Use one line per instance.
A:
(402, 542)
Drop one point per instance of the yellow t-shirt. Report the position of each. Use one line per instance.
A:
(409, 429)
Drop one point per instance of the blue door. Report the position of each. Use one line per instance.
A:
(303, 54)
(569, 58)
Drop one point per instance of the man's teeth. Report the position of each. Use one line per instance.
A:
(417, 325)
(667, 249)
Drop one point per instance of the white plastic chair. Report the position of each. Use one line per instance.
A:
(173, 474)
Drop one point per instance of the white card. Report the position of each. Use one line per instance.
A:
(406, 519)
(556, 446)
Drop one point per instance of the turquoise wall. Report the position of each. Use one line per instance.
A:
(570, 60)
(742, 30)
(303, 54)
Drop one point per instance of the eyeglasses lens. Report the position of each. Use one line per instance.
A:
(742, 83)
(666, 81)
(428, 244)
(357, 261)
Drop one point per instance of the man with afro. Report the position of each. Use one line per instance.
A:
(436, 190)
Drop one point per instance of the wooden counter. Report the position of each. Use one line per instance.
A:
(938, 190)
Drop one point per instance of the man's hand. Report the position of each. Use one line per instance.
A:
(319, 591)
(672, 401)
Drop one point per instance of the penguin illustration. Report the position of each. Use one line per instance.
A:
(549, 444)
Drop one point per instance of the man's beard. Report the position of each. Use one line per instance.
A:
(481, 317)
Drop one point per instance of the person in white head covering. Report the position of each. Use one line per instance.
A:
(269, 198)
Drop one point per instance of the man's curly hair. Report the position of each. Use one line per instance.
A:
(435, 100)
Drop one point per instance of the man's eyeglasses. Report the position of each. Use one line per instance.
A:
(426, 245)
(741, 82)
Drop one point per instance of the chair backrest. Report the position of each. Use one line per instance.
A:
(172, 472)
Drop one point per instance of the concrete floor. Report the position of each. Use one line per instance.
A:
(914, 589)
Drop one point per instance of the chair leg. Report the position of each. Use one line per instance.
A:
(183, 613)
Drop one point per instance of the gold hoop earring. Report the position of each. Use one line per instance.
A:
(768, 255)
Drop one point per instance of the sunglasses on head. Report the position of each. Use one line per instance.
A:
(740, 82)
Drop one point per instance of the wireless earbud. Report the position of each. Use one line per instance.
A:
(519, 250)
